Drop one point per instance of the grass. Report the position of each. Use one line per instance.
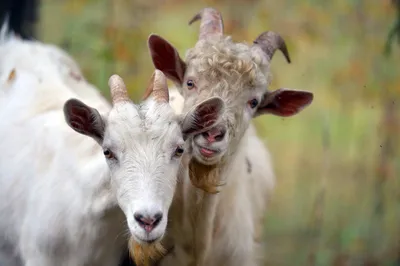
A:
(334, 169)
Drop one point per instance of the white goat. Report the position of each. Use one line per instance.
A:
(63, 203)
(224, 228)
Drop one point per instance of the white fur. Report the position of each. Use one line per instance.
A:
(60, 202)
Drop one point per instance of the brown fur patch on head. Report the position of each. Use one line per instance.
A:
(144, 254)
(205, 177)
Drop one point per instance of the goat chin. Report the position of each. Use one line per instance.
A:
(145, 253)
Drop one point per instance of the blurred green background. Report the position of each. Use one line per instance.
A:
(337, 199)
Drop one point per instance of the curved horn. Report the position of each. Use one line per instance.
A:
(211, 22)
(118, 89)
(158, 87)
(269, 41)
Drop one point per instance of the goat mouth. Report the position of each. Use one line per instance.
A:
(207, 152)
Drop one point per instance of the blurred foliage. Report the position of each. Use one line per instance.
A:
(395, 30)
(337, 200)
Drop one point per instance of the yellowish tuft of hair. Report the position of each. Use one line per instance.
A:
(12, 75)
(143, 254)
(205, 177)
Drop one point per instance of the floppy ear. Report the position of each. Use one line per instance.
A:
(284, 102)
(203, 116)
(84, 119)
(166, 58)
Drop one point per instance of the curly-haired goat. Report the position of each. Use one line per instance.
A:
(223, 228)
(67, 199)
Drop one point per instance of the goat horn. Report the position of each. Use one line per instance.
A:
(118, 89)
(269, 41)
(211, 22)
(158, 87)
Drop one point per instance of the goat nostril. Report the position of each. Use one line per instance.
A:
(148, 223)
(214, 135)
(138, 218)
(220, 136)
(157, 218)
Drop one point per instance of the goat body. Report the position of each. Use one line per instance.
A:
(230, 220)
(225, 227)
(55, 195)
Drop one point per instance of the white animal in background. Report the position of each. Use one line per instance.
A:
(224, 228)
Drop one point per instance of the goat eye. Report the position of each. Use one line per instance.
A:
(253, 103)
(178, 152)
(108, 154)
(190, 84)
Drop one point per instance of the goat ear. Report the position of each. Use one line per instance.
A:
(203, 116)
(166, 58)
(84, 119)
(284, 102)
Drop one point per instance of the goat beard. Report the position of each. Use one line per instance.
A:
(144, 254)
(205, 177)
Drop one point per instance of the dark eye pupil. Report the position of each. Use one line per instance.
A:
(107, 153)
(189, 83)
(179, 151)
(253, 103)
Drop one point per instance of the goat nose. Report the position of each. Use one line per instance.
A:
(148, 222)
(214, 135)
